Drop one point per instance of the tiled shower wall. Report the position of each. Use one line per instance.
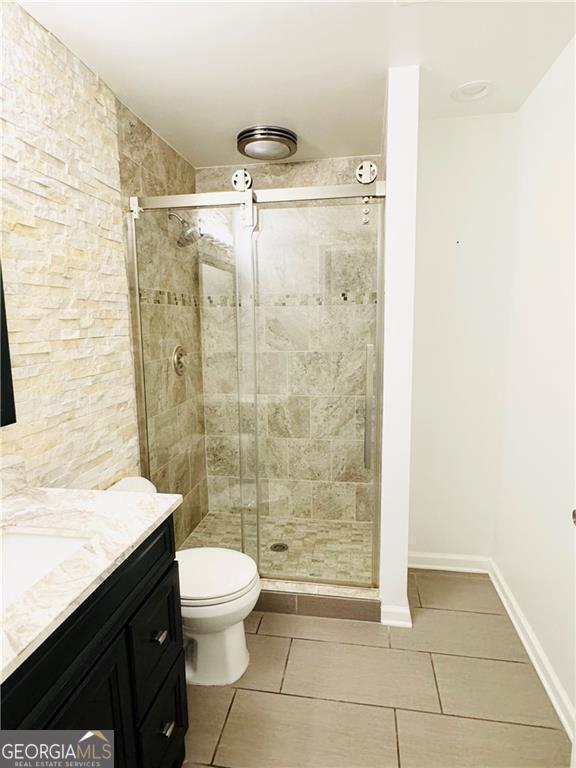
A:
(169, 307)
(316, 311)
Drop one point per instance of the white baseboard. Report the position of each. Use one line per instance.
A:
(447, 562)
(395, 616)
(548, 677)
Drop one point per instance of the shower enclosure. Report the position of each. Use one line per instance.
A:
(258, 346)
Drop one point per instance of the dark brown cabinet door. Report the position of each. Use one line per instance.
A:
(103, 701)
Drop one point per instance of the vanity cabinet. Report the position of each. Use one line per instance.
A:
(116, 663)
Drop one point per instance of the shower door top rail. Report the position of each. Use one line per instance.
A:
(279, 195)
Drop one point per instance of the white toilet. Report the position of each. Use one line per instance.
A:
(218, 589)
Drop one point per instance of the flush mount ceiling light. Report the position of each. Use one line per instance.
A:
(472, 91)
(267, 142)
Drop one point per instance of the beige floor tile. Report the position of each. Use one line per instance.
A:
(315, 628)
(361, 674)
(253, 621)
(440, 741)
(493, 690)
(207, 710)
(460, 593)
(484, 635)
(265, 730)
(267, 663)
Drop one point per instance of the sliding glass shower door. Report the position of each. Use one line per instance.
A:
(257, 366)
(316, 322)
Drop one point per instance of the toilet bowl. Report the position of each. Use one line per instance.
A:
(218, 589)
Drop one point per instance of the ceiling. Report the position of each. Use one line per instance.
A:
(197, 73)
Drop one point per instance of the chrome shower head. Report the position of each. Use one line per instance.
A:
(189, 233)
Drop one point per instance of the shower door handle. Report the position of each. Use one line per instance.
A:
(368, 406)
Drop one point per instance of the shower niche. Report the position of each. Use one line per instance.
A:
(271, 432)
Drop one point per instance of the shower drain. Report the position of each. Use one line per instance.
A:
(279, 547)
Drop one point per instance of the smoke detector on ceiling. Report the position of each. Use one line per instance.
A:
(474, 90)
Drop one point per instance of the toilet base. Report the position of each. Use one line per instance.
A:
(216, 658)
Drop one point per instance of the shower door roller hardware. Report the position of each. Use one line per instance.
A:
(135, 208)
(242, 180)
(366, 172)
(178, 359)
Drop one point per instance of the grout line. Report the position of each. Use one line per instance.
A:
(259, 625)
(417, 591)
(477, 658)
(390, 648)
(223, 726)
(436, 685)
(397, 738)
(460, 610)
(403, 709)
(285, 664)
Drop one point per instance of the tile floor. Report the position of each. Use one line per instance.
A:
(335, 551)
(456, 691)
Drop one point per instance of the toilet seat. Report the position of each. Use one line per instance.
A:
(188, 602)
(214, 575)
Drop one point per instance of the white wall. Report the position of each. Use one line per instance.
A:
(492, 483)
(466, 190)
(534, 545)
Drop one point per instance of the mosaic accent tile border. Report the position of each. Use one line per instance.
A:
(294, 299)
(172, 298)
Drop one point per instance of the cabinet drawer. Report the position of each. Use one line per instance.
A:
(155, 636)
(161, 735)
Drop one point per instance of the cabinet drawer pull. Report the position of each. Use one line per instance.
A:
(160, 636)
(168, 729)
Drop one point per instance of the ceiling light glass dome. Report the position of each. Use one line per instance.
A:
(267, 142)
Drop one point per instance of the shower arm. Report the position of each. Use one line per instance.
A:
(178, 218)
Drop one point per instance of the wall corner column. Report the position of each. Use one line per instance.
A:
(399, 269)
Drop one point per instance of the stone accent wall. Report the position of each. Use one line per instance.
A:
(64, 270)
(72, 154)
(169, 307)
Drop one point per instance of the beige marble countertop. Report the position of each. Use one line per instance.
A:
(112, 523)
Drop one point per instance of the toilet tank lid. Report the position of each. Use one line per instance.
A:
(137, 484)
(210, 572)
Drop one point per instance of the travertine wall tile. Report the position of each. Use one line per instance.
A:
(170, 316)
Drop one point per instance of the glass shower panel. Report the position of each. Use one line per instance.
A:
(188, 299)
(317, 290)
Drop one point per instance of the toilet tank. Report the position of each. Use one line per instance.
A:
(137, 484)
